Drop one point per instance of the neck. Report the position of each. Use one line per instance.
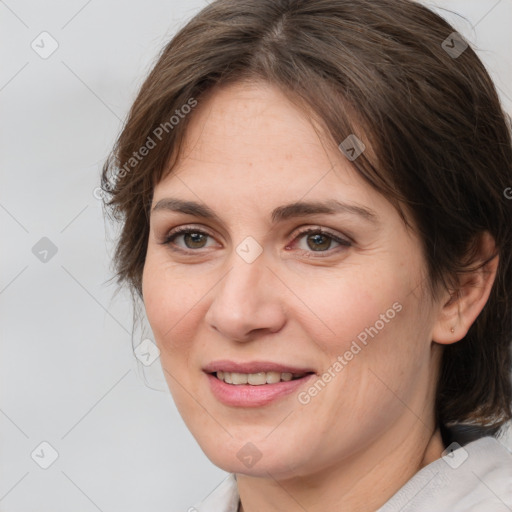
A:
(349, 486)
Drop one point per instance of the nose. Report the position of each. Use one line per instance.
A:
(247, 302)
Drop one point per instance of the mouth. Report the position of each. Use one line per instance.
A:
(254, 384)
(258, 378)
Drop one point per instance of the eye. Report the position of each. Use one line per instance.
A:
(319, 240)
(316, 240)
(193, 238)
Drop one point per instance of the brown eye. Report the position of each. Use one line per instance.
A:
(320, 241)
(192, 239)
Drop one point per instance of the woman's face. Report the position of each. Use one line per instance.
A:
(247, 290)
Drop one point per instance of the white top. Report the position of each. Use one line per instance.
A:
(473, 478)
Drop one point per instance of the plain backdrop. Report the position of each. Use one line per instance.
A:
(68, 375)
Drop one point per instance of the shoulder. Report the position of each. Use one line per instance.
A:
(474, 478)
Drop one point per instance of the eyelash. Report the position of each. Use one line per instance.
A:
(169, 239)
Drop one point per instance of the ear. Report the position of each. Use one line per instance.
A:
(460, 308)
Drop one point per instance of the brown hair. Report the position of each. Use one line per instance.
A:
(379, 69)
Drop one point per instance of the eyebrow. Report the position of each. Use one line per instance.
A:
(279, 214)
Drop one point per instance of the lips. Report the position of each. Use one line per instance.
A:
(254, 367)
(228, 385)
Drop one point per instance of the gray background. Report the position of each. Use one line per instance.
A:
(68, 374)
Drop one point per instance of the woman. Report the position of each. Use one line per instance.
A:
(313, 207)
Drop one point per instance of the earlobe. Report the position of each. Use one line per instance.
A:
(460, 308)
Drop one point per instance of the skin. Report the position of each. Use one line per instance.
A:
(371, 428)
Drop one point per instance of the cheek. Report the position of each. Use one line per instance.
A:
(172, 306)
(343, 306)
(171, 302)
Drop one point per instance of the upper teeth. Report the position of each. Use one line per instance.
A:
(256, 379)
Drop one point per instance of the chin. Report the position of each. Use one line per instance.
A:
(254, 459)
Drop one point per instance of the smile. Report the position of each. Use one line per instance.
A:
(256, 379)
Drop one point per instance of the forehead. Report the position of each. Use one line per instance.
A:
(248, 141)
(253, 120)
